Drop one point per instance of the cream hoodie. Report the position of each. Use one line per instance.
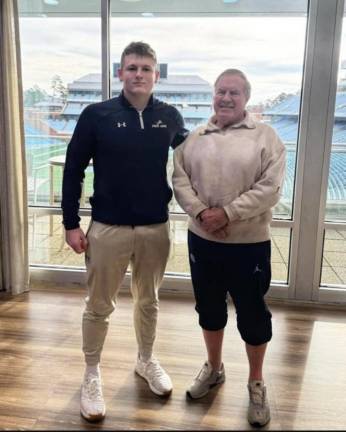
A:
(240, 168)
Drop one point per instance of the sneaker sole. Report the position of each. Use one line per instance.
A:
(207, 391)
(92, 418)
(258, 424)
(165, 394)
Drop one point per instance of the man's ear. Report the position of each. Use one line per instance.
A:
(157, 76)
(120, 74)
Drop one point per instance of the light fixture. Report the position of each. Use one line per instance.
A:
(131, 1)
(230, 1)
(51, 2)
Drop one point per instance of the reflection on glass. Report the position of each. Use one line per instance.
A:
(334, 257)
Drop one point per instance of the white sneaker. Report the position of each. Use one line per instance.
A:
(258, 411)
(92, 405)
(158, 380)
(206, 379)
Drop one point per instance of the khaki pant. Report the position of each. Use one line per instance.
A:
(110, 250)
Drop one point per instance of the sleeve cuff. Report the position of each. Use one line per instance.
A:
(231, 213)
(71, 226)
(197, 208)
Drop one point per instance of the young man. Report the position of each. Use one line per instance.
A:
(128, 139)
(227, 177)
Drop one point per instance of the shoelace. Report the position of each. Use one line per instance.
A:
(155, 369)
(257, 396)
(203, 373)
(93, 389)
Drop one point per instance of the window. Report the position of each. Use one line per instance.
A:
(265, 39)
(334, 248)
(61, 56)
(242, 40)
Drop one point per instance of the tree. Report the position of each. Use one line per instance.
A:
(34, 95)
(279, 98)
(59, 90)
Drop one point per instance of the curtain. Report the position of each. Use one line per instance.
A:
(13, 196)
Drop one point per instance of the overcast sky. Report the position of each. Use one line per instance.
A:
(269, 50)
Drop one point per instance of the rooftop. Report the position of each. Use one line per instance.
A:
(174, 83)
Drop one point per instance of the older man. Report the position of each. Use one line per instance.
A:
(227, 177)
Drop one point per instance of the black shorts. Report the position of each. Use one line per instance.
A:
(243, 271)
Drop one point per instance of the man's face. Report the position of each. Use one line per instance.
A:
(138, 75)
(229, 100)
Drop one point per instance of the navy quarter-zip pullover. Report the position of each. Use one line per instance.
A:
(129, 150)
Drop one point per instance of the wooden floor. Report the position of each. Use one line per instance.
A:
(41, 366)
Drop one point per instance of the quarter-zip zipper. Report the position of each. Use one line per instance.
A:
(141, 119)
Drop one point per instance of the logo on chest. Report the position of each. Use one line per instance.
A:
(159, 124)
(120, 124)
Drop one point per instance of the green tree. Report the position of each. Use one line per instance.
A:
(59, 90)
(34, 95)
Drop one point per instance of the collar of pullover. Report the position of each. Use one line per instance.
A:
(246, 123)
(127, 104)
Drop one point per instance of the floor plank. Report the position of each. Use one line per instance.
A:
(41, 365)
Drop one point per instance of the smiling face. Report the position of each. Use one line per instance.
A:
(138, 75)
(229, 100)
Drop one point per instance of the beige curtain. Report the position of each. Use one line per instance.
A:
(13, 197)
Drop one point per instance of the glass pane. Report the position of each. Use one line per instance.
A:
(62, 75)
(334, 257)
(159, 8)
(47, 242)
(281, 240)
(336, 193)
(334, 248)
(179, 262)
(233, 36)
(47, 246)
(58, 82)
